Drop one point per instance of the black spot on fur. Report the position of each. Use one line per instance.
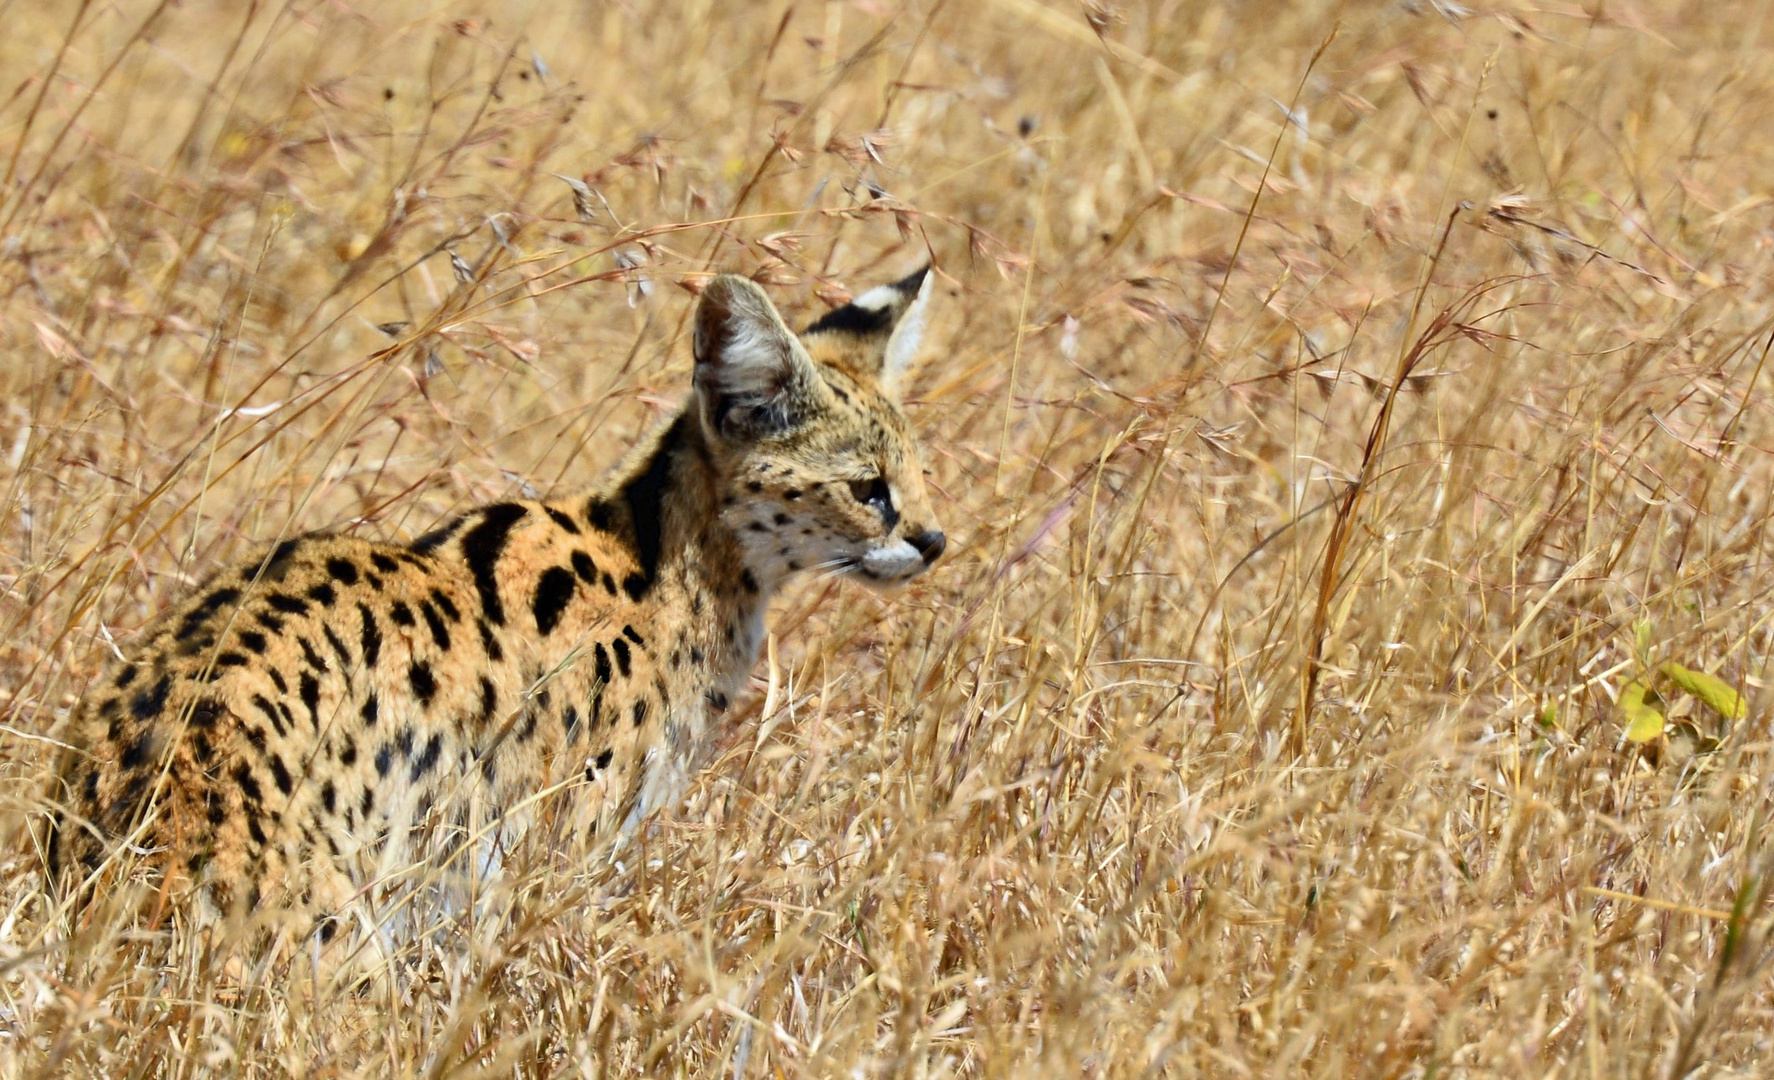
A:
(126, 676)
(482, 546)
(276, 564)
(338, 647)
(598, 516)
(384, 759)
(277, 680)
(427, 758)
(310, 654)
(584, 567)
(323, 594)
(640, 711)
(439, 632)
(424, 684)
(368, 711)
(570, 722)
(753, 486)
(230, 659)
(281, 774)
(603, 759)
(311, 697)
(488, 641)
(562, 520)
(253, 640)
(748, 581)
(601, 658)
(445, 605)
(289, 605)
(383, 563)
(791, 494)
(554, 590)
(343, 571)
(249, 787)
(269, 622)
(609, 584)
(629, 633)
(206, 607)
(645, 496)
(434, 539)
(401, 614)
(620, 648)
(489, 701)
(370, 637)
(147, 704)
(206, 712)
(260, 703)
(136, 753)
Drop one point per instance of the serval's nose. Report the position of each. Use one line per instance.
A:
(929, 543)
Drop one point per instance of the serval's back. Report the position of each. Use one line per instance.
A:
(313, 723)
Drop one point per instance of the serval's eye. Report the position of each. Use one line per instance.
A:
(872, 492)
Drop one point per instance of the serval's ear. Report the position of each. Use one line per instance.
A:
(753, 379)
(877, 334)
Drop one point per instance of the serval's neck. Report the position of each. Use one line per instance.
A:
(664, 500)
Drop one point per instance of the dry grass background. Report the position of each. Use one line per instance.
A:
(1447, 381)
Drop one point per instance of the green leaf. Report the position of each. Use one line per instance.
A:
(1643, 721)
(1711, 690)
(1641, 641)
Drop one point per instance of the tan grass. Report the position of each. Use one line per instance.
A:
(1446, 384)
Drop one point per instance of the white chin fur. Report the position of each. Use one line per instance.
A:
(893, 562)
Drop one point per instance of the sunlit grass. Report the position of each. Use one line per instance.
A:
(1320, 398)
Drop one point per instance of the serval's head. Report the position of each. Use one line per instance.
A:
(818, 468)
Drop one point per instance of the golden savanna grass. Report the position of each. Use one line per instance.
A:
(1333, 409)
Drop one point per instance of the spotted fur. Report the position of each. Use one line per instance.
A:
(314, 722)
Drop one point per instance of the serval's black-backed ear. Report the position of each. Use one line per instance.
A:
(878, 333)
(753, 379)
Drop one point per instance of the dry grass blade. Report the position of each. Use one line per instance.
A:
(1265, 719)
